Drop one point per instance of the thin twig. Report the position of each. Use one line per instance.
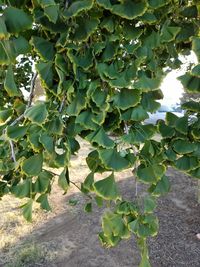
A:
(12, 151)
(80, 189)
(22, 115)
(66, 3)
(135, 165)
(62, 104)
(31, 96)
(72, 182)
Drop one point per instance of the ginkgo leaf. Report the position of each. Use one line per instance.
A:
(101, 138)
(107, 188)
(75, 8)
(151, 174)
(37, 113)
(10, 85)
(113, 159)
(33, 165)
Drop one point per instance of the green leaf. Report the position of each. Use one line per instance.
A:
(63, 180)
(16, 132)
(27, 210)
(99, 201)
(135, 114)
(126, 9)
(162, 187)
(190, 82)
(5, 115)
(88, 183)
(126, 208)
(47, 142)
(44, 203)
(88, 207)
(9, 83)
(77, 7)
(33, 165)
(168, 33)
(146, 84)
(85, 119)
(151, 174)
(187, 163)
(21, 45)
(193, 106)
(101, 138)
(107, 188)
(46, 73)
(74, 108)
(196, 46)
(149, 204)
(165, 130)
(86, 26)
(157, 3)
(3, 30)
(184, 147)
(94, 163)
(114, 161)
(37, 113)
(52, 12)
(127, 98)
(17, 20)
(149, 226)
(171, 119)
(42, 183)
(182, 125)
(43, 47)
(195, 173)
(113, 225)
(54, 126)
(139, 133)
(190, 11)
(4, 58)
(23, 189)
(73, 202)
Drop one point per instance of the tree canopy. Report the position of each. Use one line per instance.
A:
(101, 64)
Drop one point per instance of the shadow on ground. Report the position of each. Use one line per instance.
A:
(71, 237)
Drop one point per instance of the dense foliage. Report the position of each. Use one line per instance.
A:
(101, 64)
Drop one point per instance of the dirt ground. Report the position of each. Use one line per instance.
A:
(67, 237)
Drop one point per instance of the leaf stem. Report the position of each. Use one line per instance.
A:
(12, 151)
(126, 129)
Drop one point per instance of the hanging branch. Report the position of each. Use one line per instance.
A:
(135, 165)
(66, 4)
(12, 151)
(31, 96)
(72, 182)
(62, 104)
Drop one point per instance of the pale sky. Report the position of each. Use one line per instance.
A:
(171, 87)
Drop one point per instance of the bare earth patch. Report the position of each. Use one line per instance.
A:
(67, 237)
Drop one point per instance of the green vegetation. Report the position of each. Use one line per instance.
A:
(101, 64)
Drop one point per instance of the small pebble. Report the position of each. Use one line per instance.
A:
(198, 236)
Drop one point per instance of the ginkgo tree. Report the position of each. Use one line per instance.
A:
(101, 64)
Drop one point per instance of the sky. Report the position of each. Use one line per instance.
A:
(171, 86)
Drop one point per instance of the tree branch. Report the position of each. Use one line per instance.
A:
(12, 151)
(22, 115)
(31, 96)
(62, 104)
(126, 129)
(66, 3)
